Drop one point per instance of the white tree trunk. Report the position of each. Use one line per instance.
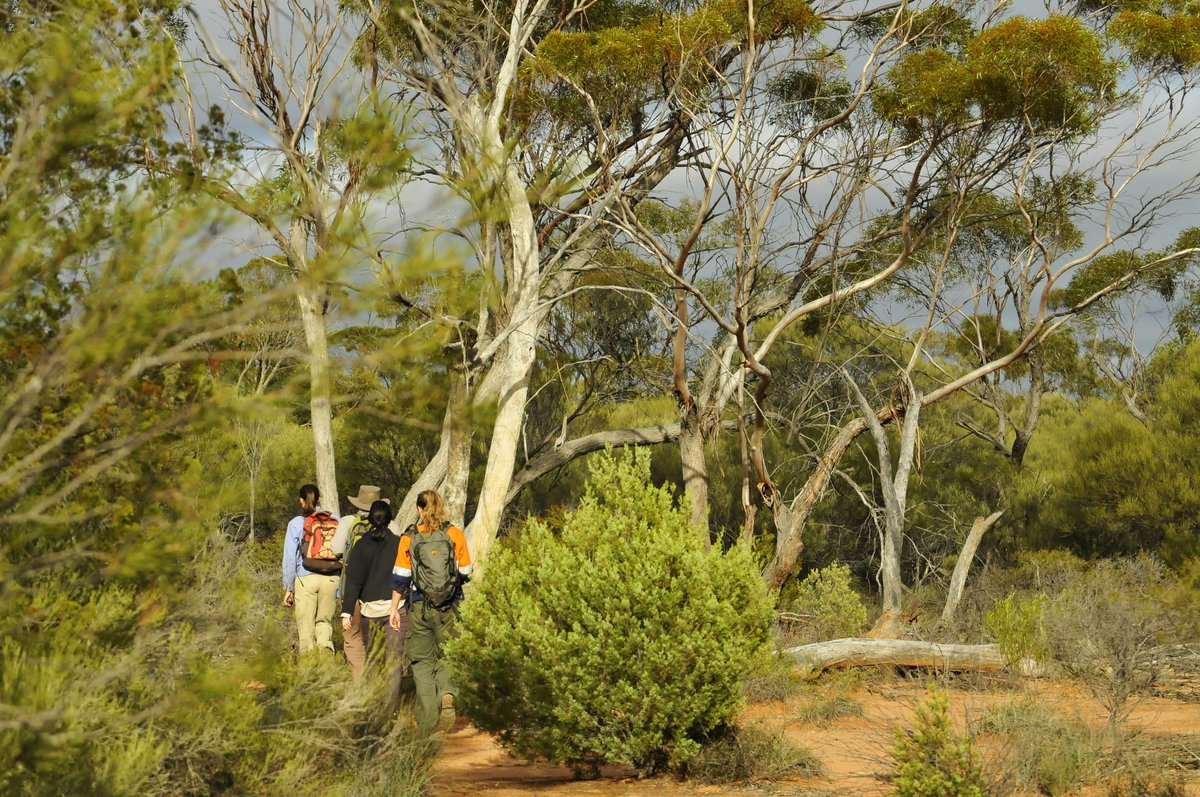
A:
(901, 652)
(515, 362)
(320, 393)
(894, 484)
(458, 448)
(962, 567)
(695, 466)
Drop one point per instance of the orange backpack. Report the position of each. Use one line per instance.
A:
(319, 529)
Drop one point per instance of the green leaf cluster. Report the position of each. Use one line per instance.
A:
(1047, 74)
(623, 68)
(616, 638)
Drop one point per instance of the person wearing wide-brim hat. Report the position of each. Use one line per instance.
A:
(350, 528)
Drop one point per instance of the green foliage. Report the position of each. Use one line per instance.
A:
(827, 604)
(806, 95)
(1045, 73)
(751, 752)
(623, 67)
(1048, 71)
(932, 759)
(1017, 624)
(1102, 483)
(142, 653)
(775, 678)
(615, 638)
(1045, 752)
(1160, 39)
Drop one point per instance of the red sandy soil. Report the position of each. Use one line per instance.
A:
(853, 750)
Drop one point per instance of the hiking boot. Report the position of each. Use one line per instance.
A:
(446, 715)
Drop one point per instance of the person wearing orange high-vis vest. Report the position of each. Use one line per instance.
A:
(432, 564)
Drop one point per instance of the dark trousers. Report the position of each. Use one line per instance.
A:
(385, 651)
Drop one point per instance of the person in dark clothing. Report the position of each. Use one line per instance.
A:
(369, 579)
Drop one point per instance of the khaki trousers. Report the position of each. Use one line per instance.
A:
(316, 604)
(428, 630)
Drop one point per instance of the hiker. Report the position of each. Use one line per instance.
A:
(350, 529)
(310, 571)
(432, 564)
(367, 596)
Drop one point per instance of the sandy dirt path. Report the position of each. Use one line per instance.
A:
(853, 750)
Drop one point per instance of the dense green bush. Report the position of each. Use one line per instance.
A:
(932, 760)
(826, 606)
(619, 638)
(117, 689)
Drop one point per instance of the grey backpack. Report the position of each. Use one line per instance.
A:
(435, 567)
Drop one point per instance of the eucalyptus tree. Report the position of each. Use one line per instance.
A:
(855, 163)
(320, 148)
(545, 119)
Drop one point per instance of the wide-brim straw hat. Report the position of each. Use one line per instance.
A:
(367, 495)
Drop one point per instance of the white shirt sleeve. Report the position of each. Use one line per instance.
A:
(338, 546)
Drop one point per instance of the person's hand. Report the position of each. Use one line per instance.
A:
(346, 623)
(289, 598)
(394, 619)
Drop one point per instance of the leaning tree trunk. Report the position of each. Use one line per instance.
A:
(320, 393)
(790, 519)
(958, 579)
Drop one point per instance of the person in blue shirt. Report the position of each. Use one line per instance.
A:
(313, 595)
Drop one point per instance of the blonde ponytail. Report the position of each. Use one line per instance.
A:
(435, 509)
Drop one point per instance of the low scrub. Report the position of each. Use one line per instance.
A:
(823, 710)
(773, 679)
(747, 753)
(1046, 753)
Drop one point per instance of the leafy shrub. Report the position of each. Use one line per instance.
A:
(1047, 753)
(615, 639)
(749, 753)
(1109, 631)
(826, 606)
(192, 694)
(1017, 624)
(932, 760)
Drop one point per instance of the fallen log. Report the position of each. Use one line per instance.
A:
(861, 652)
